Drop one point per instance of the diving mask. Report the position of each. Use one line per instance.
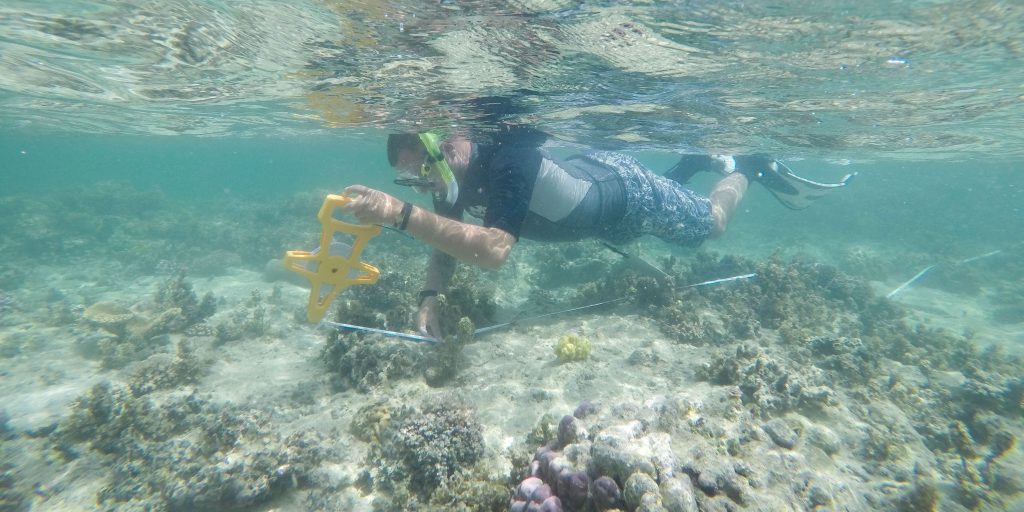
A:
(434, 161)
(420, 183)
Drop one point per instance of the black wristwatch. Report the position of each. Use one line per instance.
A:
(403, 218)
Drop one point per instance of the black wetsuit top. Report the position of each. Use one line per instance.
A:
(523, 191)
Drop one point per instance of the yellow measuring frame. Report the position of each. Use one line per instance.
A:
(332, 269)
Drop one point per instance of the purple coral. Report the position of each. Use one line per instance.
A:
(533, 495)
(545, 456)
(586, 408)
(573, 488)
(552, 504)
(526, 488)
(534, 470)
(556, 467)
(606, 493)
(567, 430)
(556, 484)
(541, 493)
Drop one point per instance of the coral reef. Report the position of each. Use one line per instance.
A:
(385, 305)
(176, 293)
(360, 361)
(164, 371)
(766, 384)
(247, 319)
(426, 456)
(465, 298)
(801, 300)
(812, 392)
(433, 443)
(119, 335)
(605, 466)
(572, 347)
(446, 358)
(865, 262)
(108, 316)
(364, 362)
(669, 456)
(185, 453)
(770, 419)
(354, 360)
(922, 497)
(122, 336)
(835, 345)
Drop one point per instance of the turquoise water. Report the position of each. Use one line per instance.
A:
(155, 153)
(955, 209)
(191, 167)
(917, 80)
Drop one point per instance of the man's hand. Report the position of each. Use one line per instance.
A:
(372, 206)
(426, 319)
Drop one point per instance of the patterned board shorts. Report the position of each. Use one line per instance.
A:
(656, 205)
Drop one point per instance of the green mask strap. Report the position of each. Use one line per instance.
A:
(431, 141)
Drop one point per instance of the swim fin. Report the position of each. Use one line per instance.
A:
(793, 191)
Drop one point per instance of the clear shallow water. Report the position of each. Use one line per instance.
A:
(204, 99)
(842, 80)
(141, 138)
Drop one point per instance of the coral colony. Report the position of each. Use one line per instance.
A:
(795, 387)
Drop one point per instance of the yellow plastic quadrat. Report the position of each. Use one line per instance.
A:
(331, 269)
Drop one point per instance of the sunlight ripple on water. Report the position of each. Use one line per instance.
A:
(926, 79)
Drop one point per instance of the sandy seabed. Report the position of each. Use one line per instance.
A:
(253, 419)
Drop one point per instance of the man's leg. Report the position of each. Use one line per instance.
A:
(688, 165)
(725, 196)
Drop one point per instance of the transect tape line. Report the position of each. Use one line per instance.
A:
(484, 330)
(917, 277)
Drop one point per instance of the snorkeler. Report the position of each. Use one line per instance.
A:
(518, 190)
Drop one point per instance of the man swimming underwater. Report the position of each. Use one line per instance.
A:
(518, 190)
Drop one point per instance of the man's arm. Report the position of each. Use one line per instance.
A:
(477, 245)
(440, 269)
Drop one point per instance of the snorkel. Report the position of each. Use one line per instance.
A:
(435, 160)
